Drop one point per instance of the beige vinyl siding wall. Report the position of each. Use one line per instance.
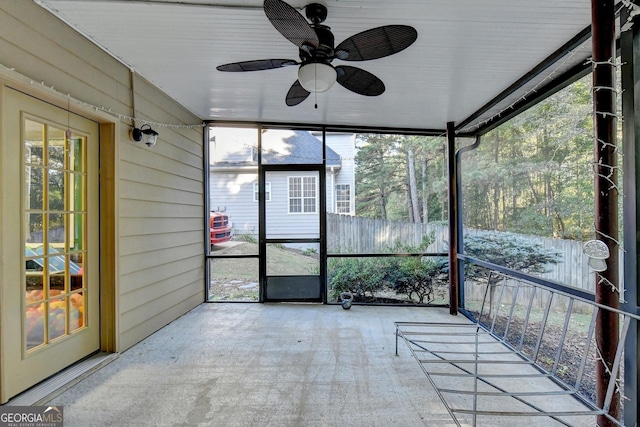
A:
(159, 263)
(161, 220)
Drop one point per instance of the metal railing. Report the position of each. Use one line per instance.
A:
(520, 361)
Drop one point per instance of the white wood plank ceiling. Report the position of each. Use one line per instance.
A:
(467, 52)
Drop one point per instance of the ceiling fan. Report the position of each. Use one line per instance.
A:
(316, 50)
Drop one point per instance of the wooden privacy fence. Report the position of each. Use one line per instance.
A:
(348, 234)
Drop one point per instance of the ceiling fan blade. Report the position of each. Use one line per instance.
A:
(257, 65)
(359, 81)
(290, 23)
(377, 42)
(296, 94)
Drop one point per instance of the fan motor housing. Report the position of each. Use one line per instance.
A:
(325, 50)
(325, 38)
(316, 12)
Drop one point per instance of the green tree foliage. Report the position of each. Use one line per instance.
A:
(54, 181)
(533, 174)
(400, 177)
(378, 177)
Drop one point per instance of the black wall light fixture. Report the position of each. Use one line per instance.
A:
(145, 134)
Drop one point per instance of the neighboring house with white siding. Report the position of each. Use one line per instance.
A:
(292, 196)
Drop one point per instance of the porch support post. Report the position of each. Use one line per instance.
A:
(630, 58)
(606, 196)
(453, 219)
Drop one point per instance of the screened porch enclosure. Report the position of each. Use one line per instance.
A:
(472, 184)
(275, 186)
(526, 191)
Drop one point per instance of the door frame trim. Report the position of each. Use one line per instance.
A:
(322, 218)
(109, 129)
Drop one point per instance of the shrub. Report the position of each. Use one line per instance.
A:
(509, 250)
(419, 278)
(413, 276)
(361, 276)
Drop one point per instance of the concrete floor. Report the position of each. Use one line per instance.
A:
(265, 365)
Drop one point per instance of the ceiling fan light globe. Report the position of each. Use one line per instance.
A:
(317, 77)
